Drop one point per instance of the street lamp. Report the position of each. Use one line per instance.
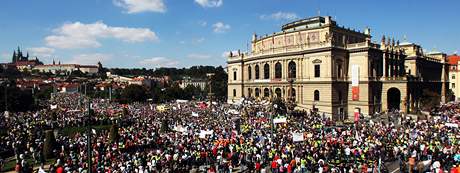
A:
(210, 93)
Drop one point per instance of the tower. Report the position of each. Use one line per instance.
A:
(19, 57)
(13, 60)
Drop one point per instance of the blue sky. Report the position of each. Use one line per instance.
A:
(182, 33)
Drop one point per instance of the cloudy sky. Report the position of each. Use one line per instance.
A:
(182, 33)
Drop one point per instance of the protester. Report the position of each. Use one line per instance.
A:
(195, 136)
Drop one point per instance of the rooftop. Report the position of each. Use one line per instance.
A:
(311, 22)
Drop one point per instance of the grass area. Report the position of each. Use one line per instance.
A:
(9, 166)
(70, 131)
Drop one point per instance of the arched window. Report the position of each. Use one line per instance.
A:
(316, 95)
(249, 72)
(266, 71)
(266, 92)
(234, 92)
(250, 92)
(257, 72)
(292, 69)
(278, 70)
(278, 92)
(257, 92)
(234, 75)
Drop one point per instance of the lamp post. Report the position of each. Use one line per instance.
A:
(210, 93)
(89, 135)
(290, 102)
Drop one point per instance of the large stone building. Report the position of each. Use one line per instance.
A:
(198, 83)
(21, 61)
(338, 71)
(67, 68)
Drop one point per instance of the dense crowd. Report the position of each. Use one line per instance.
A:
(192, 136)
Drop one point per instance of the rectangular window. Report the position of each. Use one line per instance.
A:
(453, 85)
(317, 70)
(234, 75)
(453, 76)
(234, 92)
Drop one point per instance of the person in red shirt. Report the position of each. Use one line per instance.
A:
(60, 169)
(274, 167)
(289, 168)
(258, 166)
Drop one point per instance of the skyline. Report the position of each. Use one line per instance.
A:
(153, 33)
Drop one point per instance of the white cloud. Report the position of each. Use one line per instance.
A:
(90, 59)
(198, 56)
(220, 27)
(182, 42)
(210, 3)
(80, 35)
(198, 40)
(227, 53)
(203, 23)
(138, 6)
(280, 16)
(159, 62)
(41, 51)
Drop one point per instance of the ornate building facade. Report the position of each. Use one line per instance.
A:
(338, 71)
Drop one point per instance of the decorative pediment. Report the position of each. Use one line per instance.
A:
(317, 61)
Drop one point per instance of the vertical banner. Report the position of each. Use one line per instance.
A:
(355, 82)
(355, 93)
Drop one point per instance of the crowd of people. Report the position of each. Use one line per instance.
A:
(190, 136)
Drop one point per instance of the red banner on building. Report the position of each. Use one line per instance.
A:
(355, 93)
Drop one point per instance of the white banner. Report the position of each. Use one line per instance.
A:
(194, 114)
(53, 106)
(180, 129)
(280, 120)
(355, 75)
(451, 125)
(203, 133)
(297, 137)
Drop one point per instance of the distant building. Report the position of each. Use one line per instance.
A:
(142, 81)
(22, 62)
(67, 68)
(199, 83)
(68, 87)
(454, 75)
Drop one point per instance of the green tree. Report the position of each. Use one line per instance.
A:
(280, 107)
(164, 126)
(429, 99)
(113, 134)
(134, 93)
(49, 145)
(17, 100)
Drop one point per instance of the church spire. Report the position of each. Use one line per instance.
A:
(14, 57)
